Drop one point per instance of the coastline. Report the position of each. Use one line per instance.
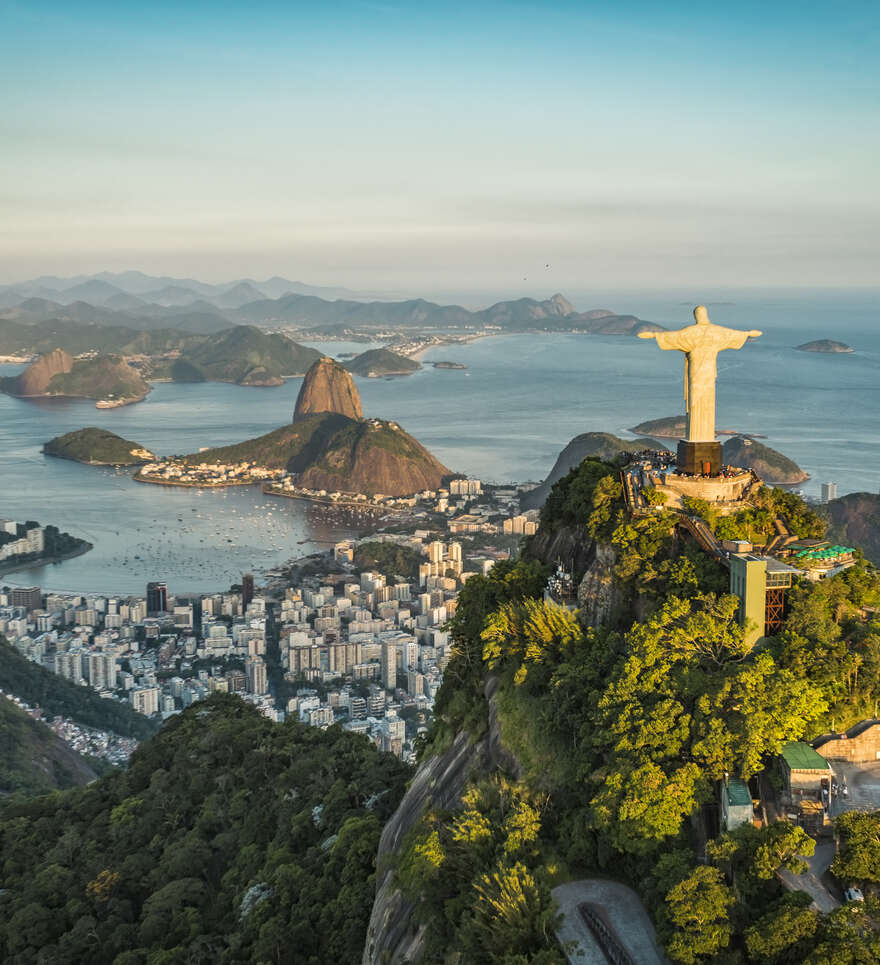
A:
(137, 477)
(334, 503)
(12, 566)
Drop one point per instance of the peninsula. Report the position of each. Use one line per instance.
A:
(825, 346)
(30, 544)
(328, 448)
(108, 378)
(98, 447)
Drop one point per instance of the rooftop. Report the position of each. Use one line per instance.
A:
(801, 757)
(829, 553)
(738, 793)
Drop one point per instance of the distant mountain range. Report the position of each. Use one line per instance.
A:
(139, 302)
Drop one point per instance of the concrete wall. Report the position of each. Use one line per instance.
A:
(860, 744)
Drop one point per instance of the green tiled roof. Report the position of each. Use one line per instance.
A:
(801, 757)
(738, 792)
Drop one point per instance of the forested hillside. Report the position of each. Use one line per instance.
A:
(621, 732)
(58, 697)
(229, 838)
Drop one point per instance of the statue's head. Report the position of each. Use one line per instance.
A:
(701, 316)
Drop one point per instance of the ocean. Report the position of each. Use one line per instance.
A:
(504, 418)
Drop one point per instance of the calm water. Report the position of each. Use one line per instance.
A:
(505, 418)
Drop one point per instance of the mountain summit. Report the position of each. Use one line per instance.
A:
(327, 387)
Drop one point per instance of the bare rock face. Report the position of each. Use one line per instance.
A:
(327, 387)
(394, 936)
(37, 376)
(598, 594)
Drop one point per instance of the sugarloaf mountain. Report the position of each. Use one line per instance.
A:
(331, 446)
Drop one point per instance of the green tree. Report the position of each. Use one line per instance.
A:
(698, 908)
(860, 857)
(785, 932)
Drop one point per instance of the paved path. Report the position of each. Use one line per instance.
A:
(811, 881)
(623, 910)
(863, 782)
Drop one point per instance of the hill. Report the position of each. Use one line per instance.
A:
(57, 374)
(855, 520)
(36, 378)
(377, 362)
(276, 449)
(97, 447)
(58, 697)
(78, 338)
(370, 456)
(327, 387)
(244, 355)
(330, 451)
(229, 838)
(516, 315)
(825, 345)
(32, 759)
(769, 464)
(575, 745)
(595, 445)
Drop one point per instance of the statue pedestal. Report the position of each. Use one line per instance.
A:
(699, 458)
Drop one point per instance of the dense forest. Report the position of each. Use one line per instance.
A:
(229, 838)
(621, 733)
(58, 697)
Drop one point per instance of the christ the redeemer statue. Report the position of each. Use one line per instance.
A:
(701, 344)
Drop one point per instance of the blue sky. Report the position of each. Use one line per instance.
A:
(443, 146)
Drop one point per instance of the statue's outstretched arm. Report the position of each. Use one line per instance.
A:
(754, 333)
(647, 334)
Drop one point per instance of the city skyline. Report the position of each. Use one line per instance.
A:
(439, 147)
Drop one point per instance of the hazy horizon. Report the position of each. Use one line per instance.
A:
(443, 147)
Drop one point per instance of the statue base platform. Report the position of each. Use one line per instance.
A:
(699, 458)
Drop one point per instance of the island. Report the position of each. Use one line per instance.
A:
(669, 427)
(379, 362)
(30, 544)
(56, 374)
(98, 447)
(448, 365)
(825, 346)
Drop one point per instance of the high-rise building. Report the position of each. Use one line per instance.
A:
(256, 672)
(389, 665)
(829, 491)
(247, 590)
(29, 597)
(145, 700)
(157, 598)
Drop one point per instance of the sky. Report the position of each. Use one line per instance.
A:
(516, 146)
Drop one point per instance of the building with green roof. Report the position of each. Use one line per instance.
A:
(803, 770)
(736, 803)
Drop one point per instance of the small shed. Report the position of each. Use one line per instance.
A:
(803, 770)
(736, 803)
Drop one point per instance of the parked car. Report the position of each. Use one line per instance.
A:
(853, 894)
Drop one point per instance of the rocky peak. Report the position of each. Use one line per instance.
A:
(327, 387)
(37, 376)
(561, 305)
